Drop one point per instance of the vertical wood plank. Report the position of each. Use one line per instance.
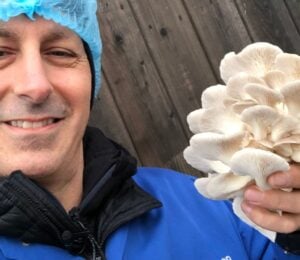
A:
(176, 52)
(294, 10)
(105, 115)
(269, 20)
(137, 87)
(219, 27)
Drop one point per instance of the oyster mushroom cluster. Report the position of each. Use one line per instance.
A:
(249, 127)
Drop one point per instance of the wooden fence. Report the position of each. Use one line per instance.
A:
(159, 55)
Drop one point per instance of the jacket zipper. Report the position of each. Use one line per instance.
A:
(97, 252)
(74, 217)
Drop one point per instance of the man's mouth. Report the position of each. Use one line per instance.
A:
(26, 124)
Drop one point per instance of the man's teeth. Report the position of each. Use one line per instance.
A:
(30, 124)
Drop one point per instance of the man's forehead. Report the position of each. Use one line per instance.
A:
(16, 27)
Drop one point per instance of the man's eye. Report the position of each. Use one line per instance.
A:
(62, 54)
(61, 57)
(3, 53)
(7, 56)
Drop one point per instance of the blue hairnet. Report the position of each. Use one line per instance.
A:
(77, 15)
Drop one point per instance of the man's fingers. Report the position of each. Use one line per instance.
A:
(271, 220)
(288, 179)
(274, 199)
(262, 207)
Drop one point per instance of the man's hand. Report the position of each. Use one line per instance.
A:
(276, 209)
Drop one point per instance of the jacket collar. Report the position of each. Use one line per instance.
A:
(106, 166)
(32, 214)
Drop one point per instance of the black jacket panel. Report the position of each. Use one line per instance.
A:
(110, 198)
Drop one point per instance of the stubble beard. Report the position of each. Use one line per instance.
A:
(35, 143)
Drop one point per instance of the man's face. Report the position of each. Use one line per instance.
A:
(45, 91)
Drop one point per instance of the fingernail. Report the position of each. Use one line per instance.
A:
(253, 195)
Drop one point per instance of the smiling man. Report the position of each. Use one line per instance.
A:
(67, 192)
(45, 93)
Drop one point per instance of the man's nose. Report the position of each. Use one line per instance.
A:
(31, 81)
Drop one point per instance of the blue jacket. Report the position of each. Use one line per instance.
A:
(188, 226)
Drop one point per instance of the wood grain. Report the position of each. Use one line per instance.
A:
(137, 87)
(176, 52)
(106, 116)
(219, 27)
(294, 11)
(160, 55)
(270, 21)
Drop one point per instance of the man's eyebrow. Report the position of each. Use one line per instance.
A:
(4, 33)
(52, 35)
(55, 34)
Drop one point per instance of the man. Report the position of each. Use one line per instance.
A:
(67, 191)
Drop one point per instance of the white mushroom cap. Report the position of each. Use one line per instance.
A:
(284, 147)
(214, 117)
(222, 186)
(236, 205)
(275, 79)
(240, 106)
(260, 119)
(258, 164)
(214, 120)
(284, 127)
(193, 119)
(292, 139)
(263, 95)
(217, 147)
(284, 150)
(195, 159)
(296, 153)
(201, 184)
(291, 94)
(288, 64)
(264, 144)
(213, 96)
(255, 59)
(236, 84)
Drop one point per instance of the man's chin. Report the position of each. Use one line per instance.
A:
(33, 171)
